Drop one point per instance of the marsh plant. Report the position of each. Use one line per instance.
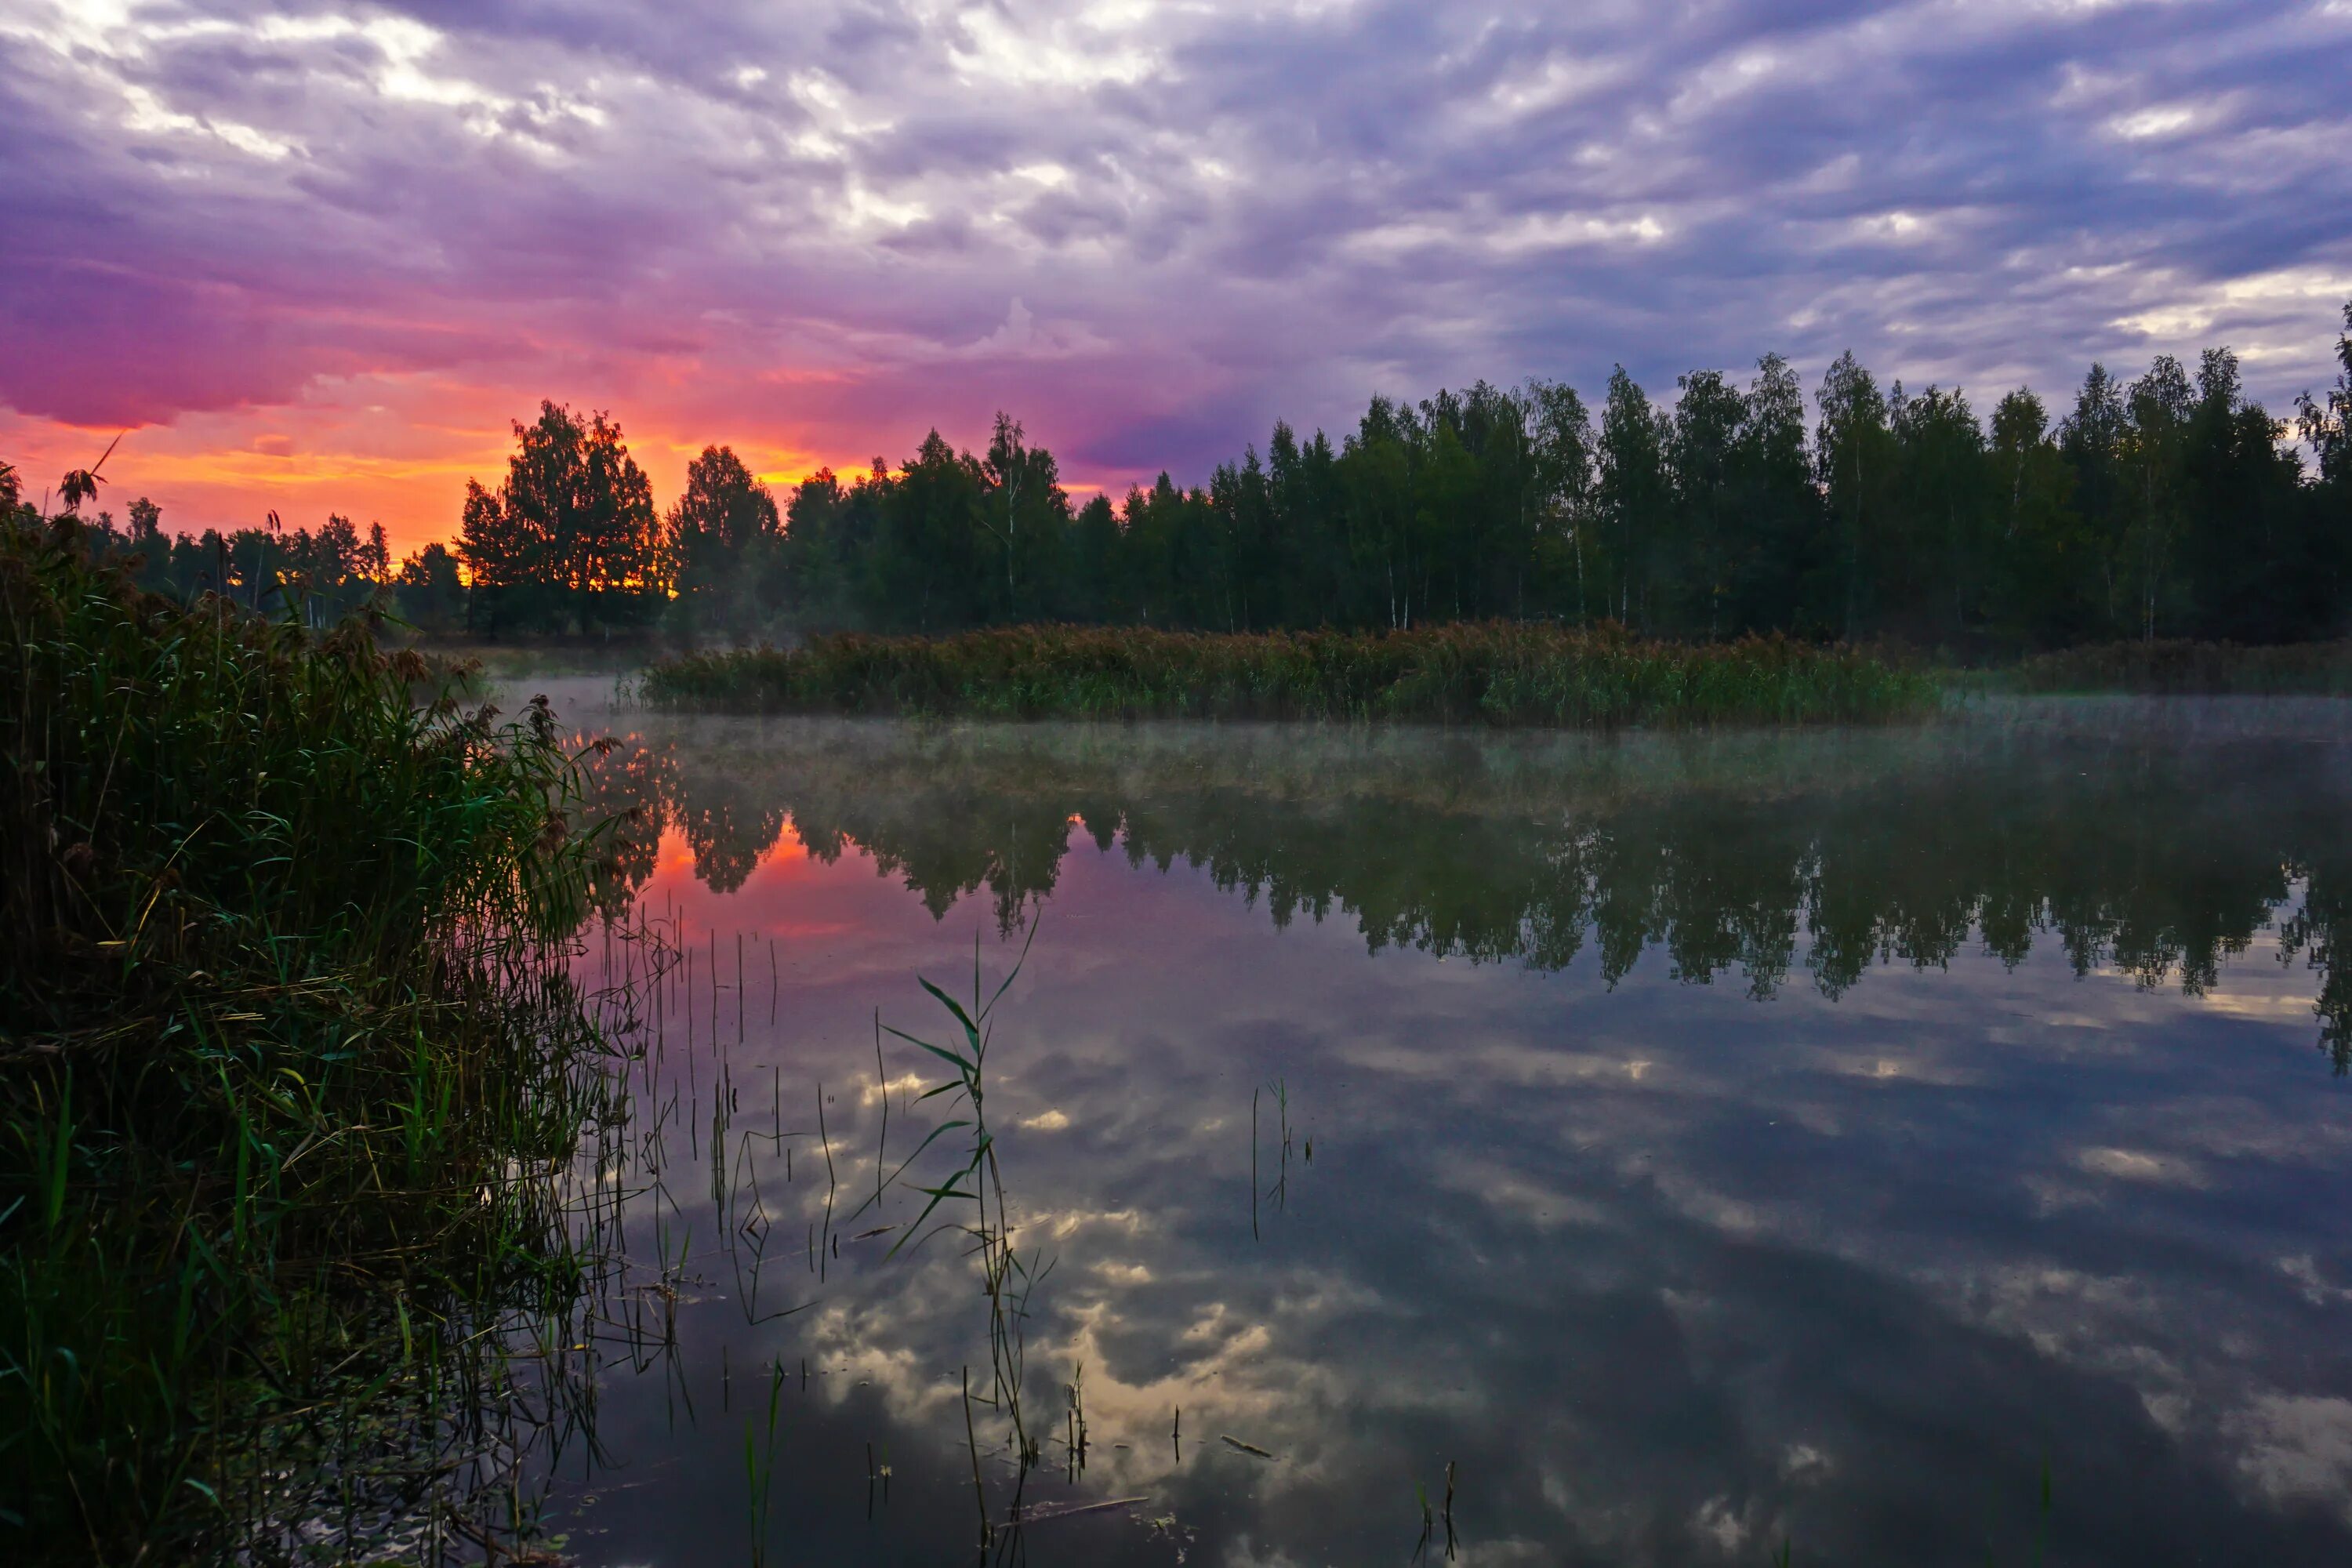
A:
(289, 1068)
(1007, 1278)
(1498, 673)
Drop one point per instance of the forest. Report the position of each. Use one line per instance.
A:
(2168, 505)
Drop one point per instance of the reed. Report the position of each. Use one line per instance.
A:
(2182, 667)
(1500, 673)
(286, 1063)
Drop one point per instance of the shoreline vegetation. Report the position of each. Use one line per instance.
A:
(1496, 673)
(2181, 668)
(291, 1071)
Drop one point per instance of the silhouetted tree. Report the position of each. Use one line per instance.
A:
(726, 533)
(570, 540)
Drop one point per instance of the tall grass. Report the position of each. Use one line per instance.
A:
(2181, 668)
(284, 1056)
(1496, 673)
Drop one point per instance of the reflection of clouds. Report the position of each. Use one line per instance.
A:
(2138, 1165)
(1499, 1187)
(2317, 1290)
(1918, 1066)
(1652, 1262)
(2299, 1447)
(904, 1088)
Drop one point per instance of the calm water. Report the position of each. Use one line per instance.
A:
(1693, 1143)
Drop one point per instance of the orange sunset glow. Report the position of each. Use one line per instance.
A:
(401, 458)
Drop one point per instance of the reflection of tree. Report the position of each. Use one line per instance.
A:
(954, 840)
(728, 826)
(2162, 863)
(2313, 934)
(630, 787)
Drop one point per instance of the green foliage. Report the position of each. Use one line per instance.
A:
(282, 1056)
(724, 531)
(2158, 507)
(2181, 668)
(1495, 673)
(2164, 506)
(570, 540)
(429, 593)
(2107, 846)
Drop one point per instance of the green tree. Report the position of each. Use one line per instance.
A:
(1703, 456)
(2092, 440)
(725, 531)
(2039, 562)
(571, 538)
(1634, 495)
(1854, 449)
(930, 572)
(2325, 425)
(1564, 453)
(1025, 511)
(2253, 570)
(2158, 408)
(1786, 575)
(1941, 500)
(428, 591)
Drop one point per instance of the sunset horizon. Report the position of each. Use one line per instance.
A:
(317, 262)
(1149, 782)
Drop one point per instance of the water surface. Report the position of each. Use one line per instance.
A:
(1693, 1144)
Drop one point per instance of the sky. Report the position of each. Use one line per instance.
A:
(316, 258)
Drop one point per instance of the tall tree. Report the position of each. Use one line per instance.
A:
(1854, 449)
(2158, 408)
(2092, 438)
(1634, 495)
(1786, 565)
(2039, 560)
(1562, 481)
(2325, 425)
(1024, 509)
(1941, 493)
(571, 532)
(2251, 568)
(428, 590)
(1704, 457)
(724, 528)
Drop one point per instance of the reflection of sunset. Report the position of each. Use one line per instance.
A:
(1570, 1162)
(785, 868)
(674, 863)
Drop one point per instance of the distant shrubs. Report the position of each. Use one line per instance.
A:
(1498, 673)
(2180, 668)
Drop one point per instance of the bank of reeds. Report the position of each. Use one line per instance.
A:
(2182, 667)
(1498, 673)
(286, 1064)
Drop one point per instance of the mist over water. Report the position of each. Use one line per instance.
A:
(1696, 1142)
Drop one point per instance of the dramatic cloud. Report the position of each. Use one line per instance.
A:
(332, 247)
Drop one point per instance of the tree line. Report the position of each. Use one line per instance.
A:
(2170, 504)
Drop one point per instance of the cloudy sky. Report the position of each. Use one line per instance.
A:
(315, 257)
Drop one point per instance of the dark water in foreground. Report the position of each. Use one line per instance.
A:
(1695, 1144)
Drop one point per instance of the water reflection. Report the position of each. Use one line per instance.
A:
(2002, 1146)
(1738, 856)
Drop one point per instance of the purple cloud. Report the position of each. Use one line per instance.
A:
(1146, 231)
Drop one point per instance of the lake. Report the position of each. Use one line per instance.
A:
(1916, 1146)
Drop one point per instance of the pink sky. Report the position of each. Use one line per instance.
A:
(316, 257)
